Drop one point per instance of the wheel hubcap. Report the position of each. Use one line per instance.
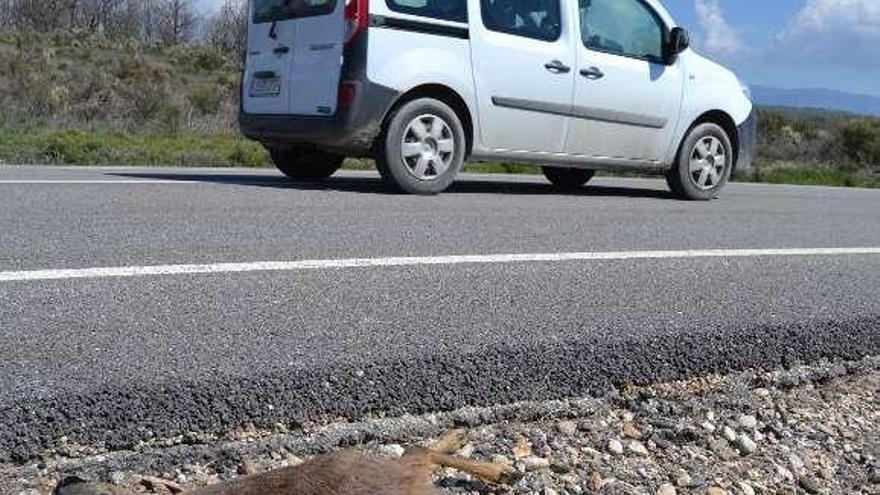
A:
(428, 147)
(707, 163)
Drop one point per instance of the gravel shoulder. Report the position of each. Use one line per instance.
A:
(808, 429)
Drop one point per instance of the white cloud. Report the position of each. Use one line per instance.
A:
(719, 37)
(839, 32)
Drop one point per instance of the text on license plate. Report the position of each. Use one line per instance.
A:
(266, 86)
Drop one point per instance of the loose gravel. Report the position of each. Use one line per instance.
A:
(811, 429)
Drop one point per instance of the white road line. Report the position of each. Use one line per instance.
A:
(146, 181)
(282, 266)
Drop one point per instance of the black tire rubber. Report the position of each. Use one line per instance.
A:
(303, 164)
(568, 178)
(678, 178)
(390, 162)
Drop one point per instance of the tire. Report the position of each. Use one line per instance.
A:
(568, 178)
(303, 164)
(423, 147)
(704, 163)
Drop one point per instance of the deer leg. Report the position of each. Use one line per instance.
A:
(488, 471)
(451, 442)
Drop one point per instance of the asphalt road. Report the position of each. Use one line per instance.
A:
(117, 359)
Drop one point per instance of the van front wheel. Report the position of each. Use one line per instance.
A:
(302, 164)
(423, 147)
(704, 164)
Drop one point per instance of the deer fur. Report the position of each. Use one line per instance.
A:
(344, 473)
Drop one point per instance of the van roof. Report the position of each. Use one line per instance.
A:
(661, 9)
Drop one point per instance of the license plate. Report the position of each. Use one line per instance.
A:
(265, 86)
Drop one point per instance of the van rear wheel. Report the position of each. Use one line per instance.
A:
(303, 164)
(568, 178)
(423, 147)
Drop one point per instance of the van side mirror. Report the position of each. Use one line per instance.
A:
(679, 41)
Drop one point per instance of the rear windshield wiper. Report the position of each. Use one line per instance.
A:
(273, 31)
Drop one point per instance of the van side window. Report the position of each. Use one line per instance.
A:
(281, 10)
(622, 27)
(537, 19)
(447, 10)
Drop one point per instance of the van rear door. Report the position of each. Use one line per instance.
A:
(294, 57)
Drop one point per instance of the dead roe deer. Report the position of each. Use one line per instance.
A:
(344, 473)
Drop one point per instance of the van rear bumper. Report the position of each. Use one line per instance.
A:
(352, 130)
(748, 141)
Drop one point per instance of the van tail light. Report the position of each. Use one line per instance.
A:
(347, 94)
(357, 14)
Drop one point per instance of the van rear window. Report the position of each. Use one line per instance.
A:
(447, 10)
(280, 10)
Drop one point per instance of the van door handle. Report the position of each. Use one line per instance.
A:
(281, 50)
(557, 67)
(593, 73)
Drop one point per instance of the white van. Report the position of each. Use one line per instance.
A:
(423, 85)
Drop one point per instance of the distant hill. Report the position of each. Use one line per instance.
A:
(817, 98)
(815, 114)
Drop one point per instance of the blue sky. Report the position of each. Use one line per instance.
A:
(831, 44)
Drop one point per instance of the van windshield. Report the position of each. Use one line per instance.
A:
(280, 10)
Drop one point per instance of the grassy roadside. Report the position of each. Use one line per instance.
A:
(68, 147)
(812, 177)
(39, 144)
(76, 97)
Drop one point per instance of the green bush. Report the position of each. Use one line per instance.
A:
(147, 101)
(142, 69)
(861, 141)
(171, 118)
(199, 59)
(248, 154)
(207, 60)
(770, 125)
(229, 80)
(73, 147)
(206, 100)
